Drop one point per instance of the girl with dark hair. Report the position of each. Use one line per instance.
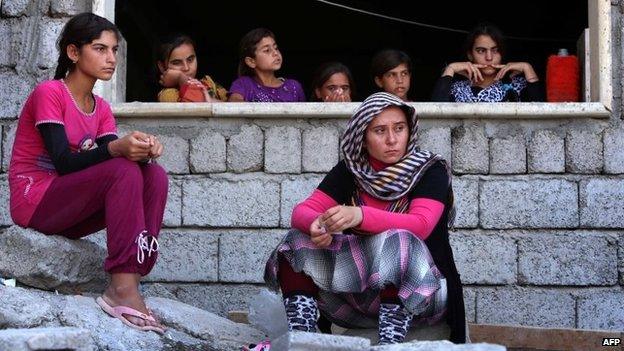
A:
(333, 82)
(484, 77)
(370, 246)
(71, 176)
(260, 58)
(392, 72)
(177, 64)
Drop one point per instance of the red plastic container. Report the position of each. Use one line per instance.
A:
(562, 79)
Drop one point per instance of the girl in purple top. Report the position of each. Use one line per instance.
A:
(259, 60)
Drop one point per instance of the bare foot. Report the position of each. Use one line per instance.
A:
(124, 291)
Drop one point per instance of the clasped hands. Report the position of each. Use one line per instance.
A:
(472, 71)
(176, 78)
(136, 146)
(334, 220)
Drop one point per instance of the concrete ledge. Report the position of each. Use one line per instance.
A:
(535, 110)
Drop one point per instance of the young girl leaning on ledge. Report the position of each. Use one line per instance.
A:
(177, 66)
(485, 77)
(260, 59)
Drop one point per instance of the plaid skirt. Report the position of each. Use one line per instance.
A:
(351, 272)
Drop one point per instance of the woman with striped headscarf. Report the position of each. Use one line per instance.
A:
(369, 248)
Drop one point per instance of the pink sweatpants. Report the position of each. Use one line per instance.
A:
(125, 197)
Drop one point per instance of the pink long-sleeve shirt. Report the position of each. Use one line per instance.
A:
(421, 219)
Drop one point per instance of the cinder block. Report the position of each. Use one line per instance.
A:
(216, 298)
(602, 203)
(621, 258)
(8, 137)
(613, 155)
(570, 259)
(528, 203)
(175, 157)
(5, 214)
(6, 36)
(508, 155)
(293, 192)
(320, 149)
(49, 31)
(282, 150)
(69, 7)
(528, 307)
(487, 259)
(1, 146)
(584, 152)
(470, 150)
(243, 254)
(14, 89)
(466, 192)
(601, 311)
(436, 140)
(18, 41)
(186, 256)
(249, 203)
(14, 8)
(208, 153)
(470, 304)
(173, 210)
(546, 153)
(245, 150)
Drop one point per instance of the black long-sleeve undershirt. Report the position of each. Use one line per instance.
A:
(64, 160)
(533, 92)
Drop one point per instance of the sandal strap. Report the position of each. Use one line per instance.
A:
(124, 310)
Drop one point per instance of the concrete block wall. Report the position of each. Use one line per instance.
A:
(539, 237)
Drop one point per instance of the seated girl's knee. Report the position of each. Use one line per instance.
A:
(403, 234)
(123, 167)
(156, 173)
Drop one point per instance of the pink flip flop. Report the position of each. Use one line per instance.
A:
(263, 346)
(119, 311)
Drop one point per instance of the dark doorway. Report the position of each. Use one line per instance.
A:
(311, 32)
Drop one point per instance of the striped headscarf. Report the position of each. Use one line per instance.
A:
(394, 182)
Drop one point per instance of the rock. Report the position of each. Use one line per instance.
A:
(439, 346)
(220, 332)
(439, 331)
(52, 262)
(23, 308)
(62, 338)
(83, 312)
(302, 341)
(111, 334)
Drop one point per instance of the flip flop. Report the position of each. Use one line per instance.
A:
(119, 311)
(263, 346)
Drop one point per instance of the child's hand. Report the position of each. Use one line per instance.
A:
(172, 78)
(193, 81)
(339, 218)
(134, 146)
(319, 236)
(337, 96)
(156, 147)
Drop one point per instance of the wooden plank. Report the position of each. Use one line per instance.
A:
(238, 317)
(533, 338)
